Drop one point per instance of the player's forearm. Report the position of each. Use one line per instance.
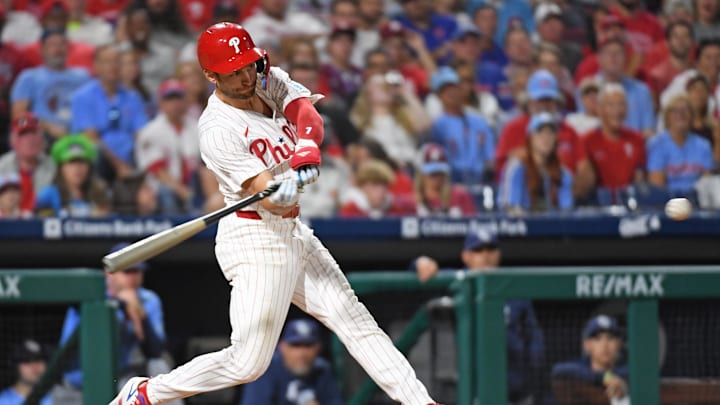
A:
(258, 184)
(309, 123)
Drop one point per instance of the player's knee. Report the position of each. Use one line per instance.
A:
(247, 368)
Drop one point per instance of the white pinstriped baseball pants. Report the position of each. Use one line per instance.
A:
(271, 263)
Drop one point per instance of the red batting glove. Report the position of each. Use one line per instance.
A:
(306, 154)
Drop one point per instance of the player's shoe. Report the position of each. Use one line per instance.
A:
(133, 393)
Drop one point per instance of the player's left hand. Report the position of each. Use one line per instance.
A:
(307, 175)
(306, 153)
(287, 194)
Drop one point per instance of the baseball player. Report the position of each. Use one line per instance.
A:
(259, 129)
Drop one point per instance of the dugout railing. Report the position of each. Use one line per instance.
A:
(480, 323)
(85, 287)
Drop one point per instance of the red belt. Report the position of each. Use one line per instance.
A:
(254, 215)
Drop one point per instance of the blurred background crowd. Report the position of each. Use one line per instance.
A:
(449, 107)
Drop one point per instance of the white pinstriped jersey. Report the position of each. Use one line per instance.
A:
(239, 144)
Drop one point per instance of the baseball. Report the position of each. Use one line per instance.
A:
(678, 209)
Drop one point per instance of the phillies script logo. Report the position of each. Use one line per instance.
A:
(262, 147)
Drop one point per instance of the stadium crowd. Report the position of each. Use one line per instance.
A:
(446, 107)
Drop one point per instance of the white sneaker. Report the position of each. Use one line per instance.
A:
(133, 393)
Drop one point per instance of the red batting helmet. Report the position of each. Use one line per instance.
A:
(226, 47)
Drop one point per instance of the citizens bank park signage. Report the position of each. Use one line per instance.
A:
(55, 228)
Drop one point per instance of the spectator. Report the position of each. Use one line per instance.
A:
(511, 14)
(271, 24)
(703, 123)
(131, 77)
(322, 198)
(676, 157)
(302, 52)
(485, 18)
(408, 54)
(297, 374)
(371, 197)
(166, 22)
(369, 19)
(85, 28)
(109, 114)
(75, 191)
(344, 80)
(465, 44)
(524, 339)
(497, 79)
(548, 58)
(475, 101)
(108, 10)
(537, 181)
(435, 194)
(46, 90)
(707, 63)
(342, 132)
(640, 115)
(437, 30)
(550, 27)
(617, 152)
(140, 324)
(544, 95)
(167, 149)
(643, 27)
(388, 111)
(369, 149)
(157, 60)
(12, 62)
(55, 15)
(610, 28)
(586, 120)
(466, 137)
(29, 360)
(452, 9)
(9, 197)
(707, 20)
(28, 160)
(191, 76)
(680, 45)
(600, 364)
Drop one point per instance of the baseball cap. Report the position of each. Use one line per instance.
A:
(28, 350)
(301, 331)
(225, 8)
(72, 147)
(343, 29)
(434, 159)
(391, 28)
(442, 77)
(170, 88)
(611, 20)
(9, 180)
(139, 265)
(26, 122)
(480, 238)
(589, 83)
(542, 84)
(601, 323)
(465, 30)
(547, 10)
(540, 120)
(54, 6)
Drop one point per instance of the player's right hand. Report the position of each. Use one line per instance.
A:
(287, 194)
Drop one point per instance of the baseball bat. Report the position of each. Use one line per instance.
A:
(160, 242)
